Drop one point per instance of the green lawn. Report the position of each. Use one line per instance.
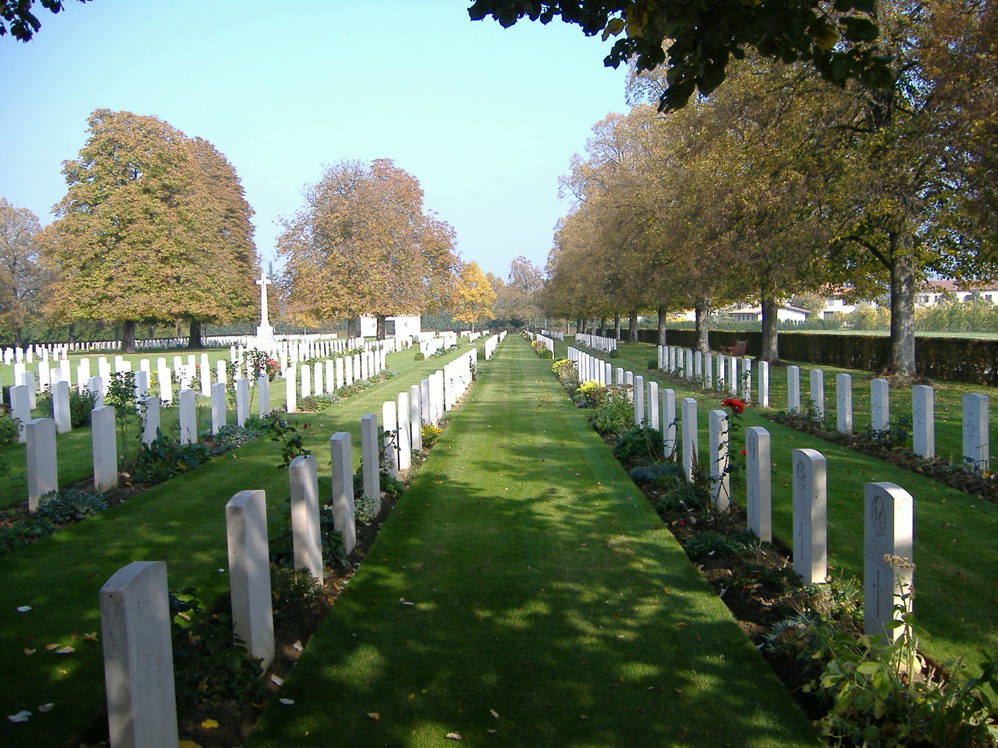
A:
(550, 605)
(180, 522)
(954, 534)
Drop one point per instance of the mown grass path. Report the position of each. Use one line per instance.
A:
(524, 593)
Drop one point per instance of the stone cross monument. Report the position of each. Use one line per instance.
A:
(265, 331)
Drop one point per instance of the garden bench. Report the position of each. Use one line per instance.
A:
(737, 350)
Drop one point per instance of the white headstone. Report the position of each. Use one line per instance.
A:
(148, 409)
(747, 380)
(880, 416)
(721, 371)
(105, 448)
(249, 573)
(20, 408)
(404, 432)
(810, 520)
(263, 393)
(732, 375)
(306, 380)
(976, 443)
(843, 403)
(415, 415)
(306, 535)
(60, 407)
(923, 416)
(165, 378)
(187, 416)
(41, 465)
(817, 394)
(242, 401)
(639, 400)
(318, 380)
(888, 530)
(290, 393)
(204, 375)
(369, 458)
(28, 380)
(758, 483)
(653, 411)
(717, 423)
(217, 406)
(793, 389)
(138, 657)
(763, 371)
(689, 451)
(669, 423)
(390, 421)
(342, 468)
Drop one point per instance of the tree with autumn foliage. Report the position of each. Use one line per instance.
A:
(363, 245)
(473, 299)
(153, 227)
(20, 274)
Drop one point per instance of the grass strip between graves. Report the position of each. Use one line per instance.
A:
(955, 564)
(524, 592)
(181, 522)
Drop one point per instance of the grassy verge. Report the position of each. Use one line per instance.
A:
(549, 606)
(954, 576)
(180, 522)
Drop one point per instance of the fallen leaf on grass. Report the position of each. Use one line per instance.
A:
(30, 652)
(209, 724)
(287, 702)
(297, 646)
(453, 736)
(46, 707)
(277, 680)
(494, 713)
(22, 716)
(374, 715)
(65, 651)
(24, 608)
(682, 624)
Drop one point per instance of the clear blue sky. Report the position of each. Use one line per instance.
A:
(486, 118)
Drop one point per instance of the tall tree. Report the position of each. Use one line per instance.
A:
(362, 244)
(518, 301)
(140, 235)
(473, 299)
(20, 274)
(17, 18)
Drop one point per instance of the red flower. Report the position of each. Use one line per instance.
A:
(736, 405)
(743, 453)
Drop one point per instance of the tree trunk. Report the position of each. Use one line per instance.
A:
(194, 338)
(353, 327)
(128, 336)
(661, 324)
(602, 327)
(770, 350)
(616, 327)
(381, 320)
(902, 360)
(578, 326)
(632, 320)
(702, 309)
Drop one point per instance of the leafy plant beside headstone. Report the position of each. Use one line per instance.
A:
(9, 428)
(165, 457)
(121, 396)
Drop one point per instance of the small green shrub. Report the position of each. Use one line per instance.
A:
(590, 393)
(9, 428)
(293, 592)
(71, 505)
(209, 666)
(649, 475)
(230, 437)
(711, 543)
(420, 356)
(565, 372)
(315, 403)
(639, 443)
(165, 457)
(614, 412)
(684, 495)
(365, 509)
(81, 405)
(23, 531)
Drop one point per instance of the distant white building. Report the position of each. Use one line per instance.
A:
(399, 327)
(932, 292)
(785, 313)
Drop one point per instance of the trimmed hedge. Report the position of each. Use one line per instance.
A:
(970, 360)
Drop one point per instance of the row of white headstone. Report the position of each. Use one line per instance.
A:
(327, 376)
(135, 618)
(544, 340)
(556, 334)
(888, 539)
(597, 342)
(430, 344)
